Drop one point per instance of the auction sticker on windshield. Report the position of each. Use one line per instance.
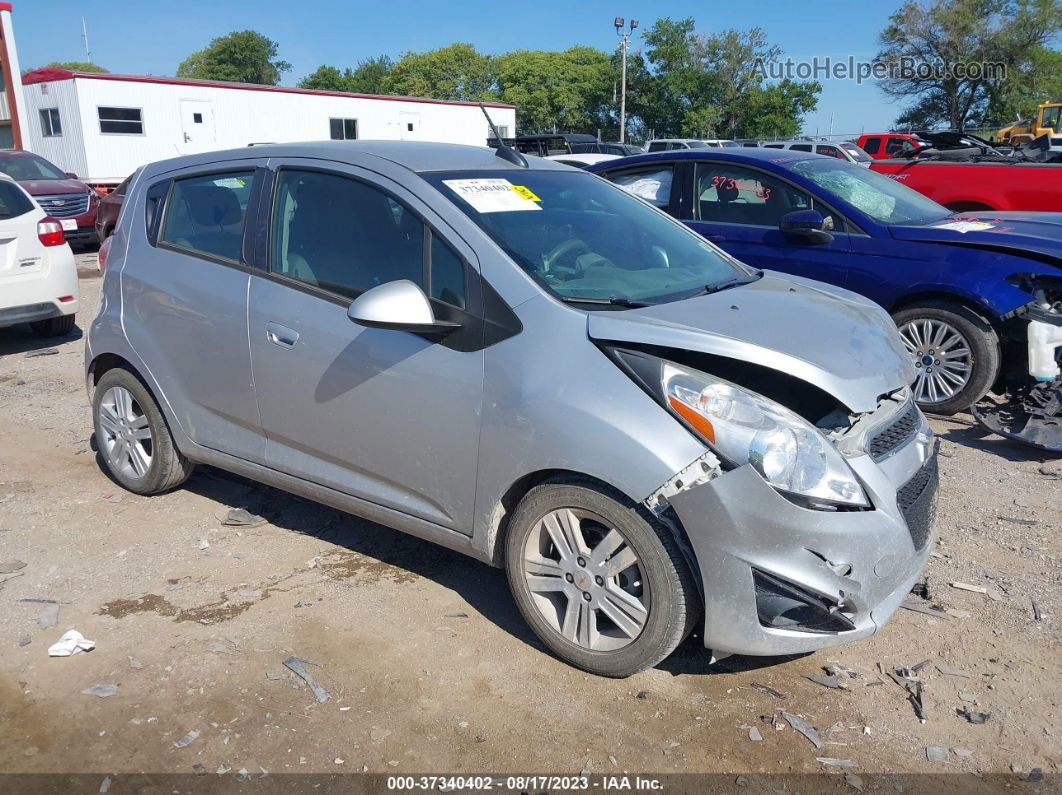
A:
(494, 195)
(966, 226)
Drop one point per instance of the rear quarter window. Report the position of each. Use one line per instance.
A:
(205, 213)
(13, 202)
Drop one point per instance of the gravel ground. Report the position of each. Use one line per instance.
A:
(428, 665)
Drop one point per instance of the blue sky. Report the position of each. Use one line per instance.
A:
(152, 38)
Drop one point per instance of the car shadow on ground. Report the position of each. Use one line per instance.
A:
(21, 339)
(483, 587)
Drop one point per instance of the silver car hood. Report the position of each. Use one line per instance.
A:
(829, 337)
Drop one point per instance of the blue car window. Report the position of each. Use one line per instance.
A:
(738, 195)
(881, 198)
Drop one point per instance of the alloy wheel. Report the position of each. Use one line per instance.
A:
(585, 580)
(942, 359)
(126, 440)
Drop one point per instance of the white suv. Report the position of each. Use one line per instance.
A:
(842, 150)
(38, 277)
(667, 144)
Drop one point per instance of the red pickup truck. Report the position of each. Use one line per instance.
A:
(884, 145)
(965, 186)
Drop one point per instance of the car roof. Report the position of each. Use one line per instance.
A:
(417, 156)
(748, 155)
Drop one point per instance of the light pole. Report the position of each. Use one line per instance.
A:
(625, 39)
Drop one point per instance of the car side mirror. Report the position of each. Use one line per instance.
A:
(806, 225)
(71, 175)
(401, 306)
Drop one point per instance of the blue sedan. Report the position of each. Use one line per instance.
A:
(964, 289)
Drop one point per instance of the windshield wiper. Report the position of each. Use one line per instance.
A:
(616, 300)
(718, 287)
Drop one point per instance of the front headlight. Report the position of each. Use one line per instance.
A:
(744, 427)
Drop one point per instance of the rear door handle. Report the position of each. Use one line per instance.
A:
(281, 335)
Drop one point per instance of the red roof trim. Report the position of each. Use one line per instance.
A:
(6, 7)
(55, 75)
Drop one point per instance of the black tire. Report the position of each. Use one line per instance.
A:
(675, 603)
(168, 468)
(983, 344)
(53, 326)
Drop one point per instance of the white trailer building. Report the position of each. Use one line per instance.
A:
(102, 127)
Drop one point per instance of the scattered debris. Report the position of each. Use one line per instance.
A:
(830, 761)
(199, 769)
(1034, 776)
(296, 666)
(71, 643)
(826, 681)
(187, 740)
(768, 690)
(376, 734)
(934, 753)
(642, 694)
(204, 544)
(241, 775)
(49, 616)
(965, 586)
(853, 781)
(970, 698)
(934, 610)
(11, 566)
(1016, 520)
(754, 733)
(948, 670)
(973, 716)
(955, 613)
(101, 691)
(962, 753)
(914, 695)
(24, 640)
(994, 595)
(42, 352)
(805, 728)
(223, 647)
(135, 664)
(222, 769)
(240, 517)
(921, 589)
(105, 785)
(1037, 615)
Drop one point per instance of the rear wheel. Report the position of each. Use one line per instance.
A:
(133, 438)
(601, 585)
(955, 353)
(53, 326)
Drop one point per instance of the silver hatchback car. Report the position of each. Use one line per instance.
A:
(520, 361)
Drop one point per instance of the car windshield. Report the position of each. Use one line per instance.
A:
(883, 199)
(857, 154)
(584, 238)
(27, 167)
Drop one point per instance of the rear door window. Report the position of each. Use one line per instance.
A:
(871, 146)
(13, 201)
(652, 183)
(738, 195)
(894, 145)
(205, 213)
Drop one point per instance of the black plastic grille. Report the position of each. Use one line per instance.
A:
(917, 500)
(66, 205)
(895, 433)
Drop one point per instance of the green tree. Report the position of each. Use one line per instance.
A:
(456, 72)
(76, 66)
(698, 86)
(240, 57)
(939, 39)
(367, 77)
(1035, 79)
(568, 91)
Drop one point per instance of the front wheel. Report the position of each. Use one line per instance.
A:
(955, 353)
(604, 587)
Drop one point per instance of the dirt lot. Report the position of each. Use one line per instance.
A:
(428, 665)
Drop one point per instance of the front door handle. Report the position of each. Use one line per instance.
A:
(281, 335)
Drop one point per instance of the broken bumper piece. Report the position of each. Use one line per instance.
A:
(779, 578)
(1032, 415)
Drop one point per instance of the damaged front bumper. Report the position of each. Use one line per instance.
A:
(779, 578)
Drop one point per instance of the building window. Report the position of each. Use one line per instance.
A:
(121, 121)
(50, 124)
(343, 129)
